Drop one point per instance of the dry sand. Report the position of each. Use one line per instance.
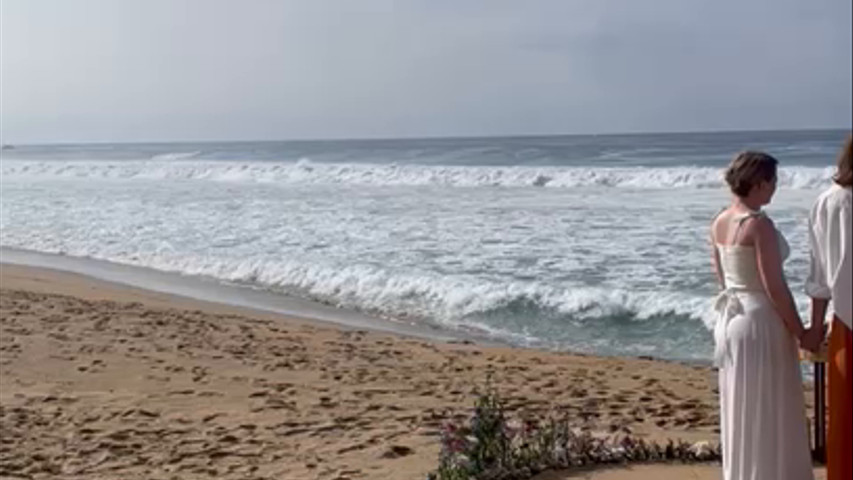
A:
(99, 380)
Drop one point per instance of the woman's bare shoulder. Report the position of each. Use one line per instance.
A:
(718, 222)
(719, 216)
(759, 226)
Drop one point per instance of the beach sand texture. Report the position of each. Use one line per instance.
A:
(100, 381)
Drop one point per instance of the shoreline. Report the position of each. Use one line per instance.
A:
(260, 301)
(101, 379)
(96, 349)
(209, 290)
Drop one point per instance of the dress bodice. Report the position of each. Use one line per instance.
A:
(739, 264)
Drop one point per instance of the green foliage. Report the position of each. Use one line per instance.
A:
(492, 447)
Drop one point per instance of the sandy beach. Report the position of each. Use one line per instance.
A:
(100, 380)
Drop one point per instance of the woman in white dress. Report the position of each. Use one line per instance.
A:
(762, 410)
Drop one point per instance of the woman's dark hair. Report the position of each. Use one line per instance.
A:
(748, 169)
(844, 174)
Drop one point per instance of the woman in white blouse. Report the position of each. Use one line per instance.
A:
(831, 278)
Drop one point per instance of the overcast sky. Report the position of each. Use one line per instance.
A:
(137, 70)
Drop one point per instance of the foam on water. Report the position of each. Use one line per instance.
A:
(463, 303)
(604, 252)
(424, 296)
(306, 172)
(176, 155)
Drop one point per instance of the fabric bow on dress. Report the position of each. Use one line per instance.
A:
(727, 305)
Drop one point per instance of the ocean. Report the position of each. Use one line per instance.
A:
(595, 243)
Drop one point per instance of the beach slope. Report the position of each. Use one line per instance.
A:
(99, 380)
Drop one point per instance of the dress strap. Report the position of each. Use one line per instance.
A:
(741, 219)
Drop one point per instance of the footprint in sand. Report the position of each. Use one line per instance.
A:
(397, 451)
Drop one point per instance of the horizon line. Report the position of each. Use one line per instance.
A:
(423, 137)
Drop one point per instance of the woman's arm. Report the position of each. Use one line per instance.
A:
(816, 285)
(715, 259)
(772, 277)
(813, 338)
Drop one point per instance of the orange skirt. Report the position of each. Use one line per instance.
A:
(839, 464)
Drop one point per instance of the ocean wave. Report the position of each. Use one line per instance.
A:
(450, 301)
(172, 156)
(307, 172)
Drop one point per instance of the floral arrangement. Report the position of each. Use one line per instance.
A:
(493, 447)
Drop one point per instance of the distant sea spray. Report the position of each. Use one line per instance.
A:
(586, 243)
(307, 172)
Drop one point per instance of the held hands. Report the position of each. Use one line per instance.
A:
(812, 339)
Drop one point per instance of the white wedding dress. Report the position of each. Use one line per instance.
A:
(762, 409)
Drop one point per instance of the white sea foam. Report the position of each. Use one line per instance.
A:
(451, 301)
(618, 264)
(171, 156)
(307, 172)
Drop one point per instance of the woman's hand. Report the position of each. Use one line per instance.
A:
(812, 339)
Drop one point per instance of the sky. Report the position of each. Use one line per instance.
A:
(173, 70)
